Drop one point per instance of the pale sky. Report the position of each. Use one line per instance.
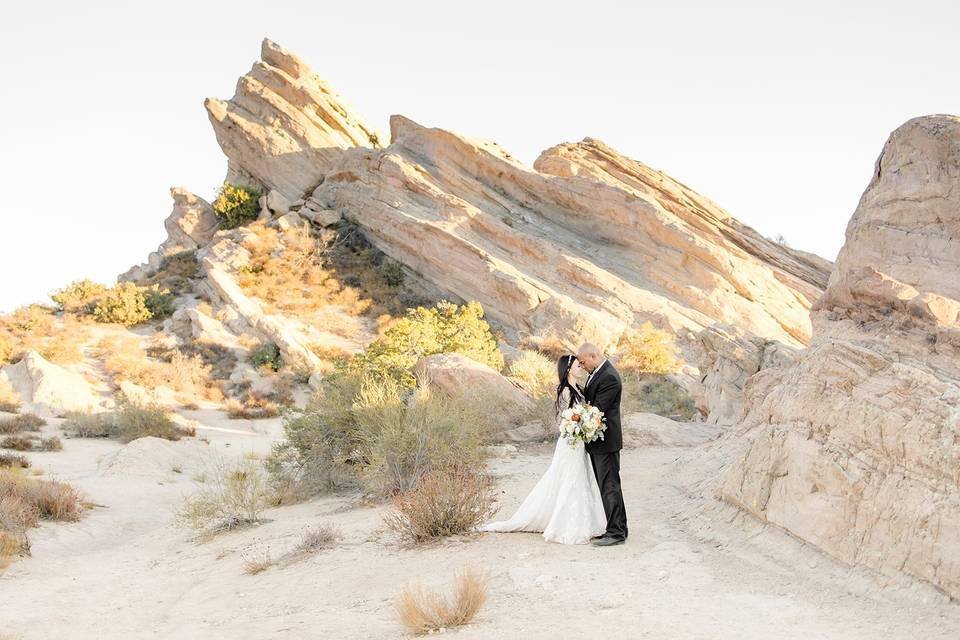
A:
(775, 110)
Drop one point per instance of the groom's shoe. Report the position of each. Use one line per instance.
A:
(607, 541)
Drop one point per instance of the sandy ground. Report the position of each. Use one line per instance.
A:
(692, 568)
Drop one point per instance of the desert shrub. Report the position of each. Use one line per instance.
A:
(535, 373)
(13, 460)
(129, 422)
(80, 296)
(267, 356)
(52, 499)
(444, 328)
(17, 443)
(318, 538)
(392, 273)
(159, 302)
(6, 349)
(257, 561)
(232, 496)
(62, 349)
(9, 399)
(22, 422)
(175, 273)
(659, 395)
(52, 443)
(236, 205)
(123, 304)
(450, 500)
(422, 611)
(648, 351)
(252, 406)
(360, 429)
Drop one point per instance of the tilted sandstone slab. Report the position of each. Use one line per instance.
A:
(587, 243)
(284, 125)
(856, 447)
(49, 390)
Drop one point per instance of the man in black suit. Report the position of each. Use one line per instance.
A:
(602, 389)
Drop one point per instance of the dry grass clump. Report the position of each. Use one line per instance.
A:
(232, 496)
(129, 422)
(448, 501)
(324, 536)
(423, 611)
(253, 406)
(9, 399)
(28, 443)
(36, 327)
(23, 502)
(22, 422)
(258, 561)
(13, 460)
(534, 372)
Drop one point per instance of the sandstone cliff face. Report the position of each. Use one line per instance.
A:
(856, 447)
(284, 125)
(586, 244)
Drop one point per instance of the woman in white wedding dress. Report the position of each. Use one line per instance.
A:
(565, 504)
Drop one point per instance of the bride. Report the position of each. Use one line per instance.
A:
(565, 504)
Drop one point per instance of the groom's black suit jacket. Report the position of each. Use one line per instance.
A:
(604, 392)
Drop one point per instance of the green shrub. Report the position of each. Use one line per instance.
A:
(659, 395)
(392, 273)
(232, 495)
(159, 302)
(267, 356)
(648, 351)
(444, 328)
(534, 372)
(236, 205)
(80, 296)
(370, 431)
(124, 304)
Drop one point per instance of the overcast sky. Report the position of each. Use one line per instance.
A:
(775, 110)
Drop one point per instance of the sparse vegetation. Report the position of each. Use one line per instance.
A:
(13, 460)
(129, 422)
(318, 538)
(361, 430)
(232, 496)
(535, 373)
(422, 611)
(22, 422)
(236, 205)
(648, 351)
(659, 395)
(444, 328)
(252, 406)
(267, 357)
(124, 304)
(257, 561)
(23, 502)
(450, 500)
(79, 297)
(9, 399)
(17, 443)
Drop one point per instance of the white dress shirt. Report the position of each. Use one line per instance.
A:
(592, 373)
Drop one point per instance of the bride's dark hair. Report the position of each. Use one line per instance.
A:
(563, 369)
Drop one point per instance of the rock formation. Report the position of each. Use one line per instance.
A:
(284, 125)
(587, 243)
(856, 446)
(49, 390)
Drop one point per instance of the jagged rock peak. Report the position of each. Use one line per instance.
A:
(285, 125)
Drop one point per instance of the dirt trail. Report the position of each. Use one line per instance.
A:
(691, 569)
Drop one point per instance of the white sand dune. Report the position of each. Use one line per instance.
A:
(691, 568)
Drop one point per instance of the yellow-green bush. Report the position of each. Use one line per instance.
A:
(6, 349)
(124, 304)
(648, 351)
(236, 205)
(444, 328)
(80, 296)
(534, 372)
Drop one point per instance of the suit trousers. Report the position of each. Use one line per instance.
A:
(606, 467)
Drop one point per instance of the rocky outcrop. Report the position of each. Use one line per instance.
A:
(728, 357)
(284, 125)
(191, 225)
(586, 244)
(456, 374)
(49, 390)
(856, 447)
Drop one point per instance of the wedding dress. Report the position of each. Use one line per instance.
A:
(565, 504)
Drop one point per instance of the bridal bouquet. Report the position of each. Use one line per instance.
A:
(582, 422)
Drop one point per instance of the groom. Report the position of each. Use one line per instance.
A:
(602, 389)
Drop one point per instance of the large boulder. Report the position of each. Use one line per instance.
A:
(456, 374)
(49, 390)
(856, 446)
